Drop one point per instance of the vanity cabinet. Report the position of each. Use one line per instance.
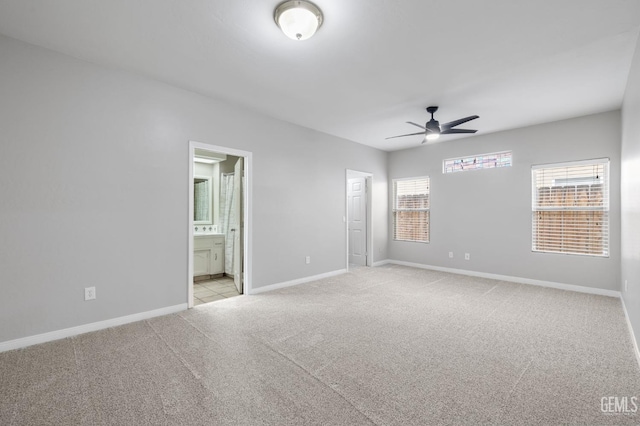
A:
(208, 255)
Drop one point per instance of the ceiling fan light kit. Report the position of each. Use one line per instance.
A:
(298, 20)
(433, 129)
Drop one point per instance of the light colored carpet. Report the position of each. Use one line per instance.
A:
(385, 346)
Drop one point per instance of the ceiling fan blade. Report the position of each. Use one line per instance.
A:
(417, 125)
(458, 122)
(401, 136)
(450, 131)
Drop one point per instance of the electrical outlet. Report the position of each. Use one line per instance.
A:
(307, 260)
(450, 255)
(89, 293)
(626, 287)
(467, 256)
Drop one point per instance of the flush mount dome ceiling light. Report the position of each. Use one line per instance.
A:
(298, 20)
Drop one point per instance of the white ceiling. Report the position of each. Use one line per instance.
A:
(372, 66)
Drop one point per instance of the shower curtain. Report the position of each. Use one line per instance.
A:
(227, 220)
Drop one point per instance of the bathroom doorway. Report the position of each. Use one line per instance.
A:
(219, 223)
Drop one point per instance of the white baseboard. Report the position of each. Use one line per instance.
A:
(520, 280)
(276, 286)
(81, 329)
(633, 336)
(569, 287)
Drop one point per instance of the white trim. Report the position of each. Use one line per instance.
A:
(395, 209)
(298, 281)
(248, 214)
(633, 336)
(571, 163)
(519, 280)
(538, 173)
(410, 178)
(381, 262)
(86, 328)
(191, 186)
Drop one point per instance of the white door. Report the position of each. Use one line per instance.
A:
(357, 211)
(238, 184)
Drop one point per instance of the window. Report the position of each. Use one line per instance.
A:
(476, 162)
(411, 209)
(570, 208)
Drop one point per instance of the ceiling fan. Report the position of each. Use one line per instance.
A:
(433, 129)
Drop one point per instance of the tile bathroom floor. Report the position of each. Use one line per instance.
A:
(214, 289)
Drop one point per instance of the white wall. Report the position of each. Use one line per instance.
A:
(202, 169)
(487, 213)
(630, 183)
(67, 223)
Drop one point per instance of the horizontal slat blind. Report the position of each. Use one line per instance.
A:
(570, 208)
(411, 209)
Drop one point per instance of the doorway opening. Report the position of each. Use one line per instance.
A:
(219, 223)
(359, 226)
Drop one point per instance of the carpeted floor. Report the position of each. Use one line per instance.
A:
(385, 346)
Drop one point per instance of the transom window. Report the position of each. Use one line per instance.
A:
(477, 162)
(411, 209)
(570, 208)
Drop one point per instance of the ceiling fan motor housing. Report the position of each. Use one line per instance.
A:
(433, 126)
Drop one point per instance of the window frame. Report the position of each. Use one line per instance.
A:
(604, 227)
(395, 209)
(497, 154)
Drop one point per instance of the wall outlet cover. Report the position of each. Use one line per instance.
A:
(89, 293)
(450, 255)
(467, 256)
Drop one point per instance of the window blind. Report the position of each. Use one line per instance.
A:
(570, 208)
(411, 209)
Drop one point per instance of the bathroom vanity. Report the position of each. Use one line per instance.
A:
(208, 255)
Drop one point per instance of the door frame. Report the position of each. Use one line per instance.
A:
(246, 212)
(349, 173)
